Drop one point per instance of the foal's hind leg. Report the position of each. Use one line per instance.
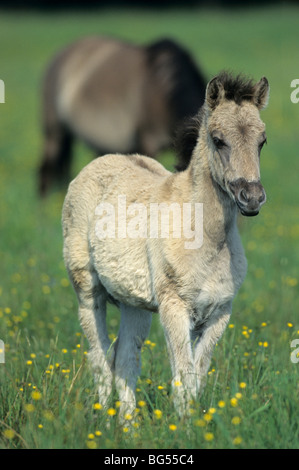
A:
(134, 328)
(92, 314)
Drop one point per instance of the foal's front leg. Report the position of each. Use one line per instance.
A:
(176, 323)
(204, 345)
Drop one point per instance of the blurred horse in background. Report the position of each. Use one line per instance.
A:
(117, 98)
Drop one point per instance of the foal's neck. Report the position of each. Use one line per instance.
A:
(219, 210)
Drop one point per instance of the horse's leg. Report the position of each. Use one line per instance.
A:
(92, 314)
(205, 339)
(134, 329)
(175, 319)
(56, 156)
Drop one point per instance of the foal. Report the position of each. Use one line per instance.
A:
(191, 289)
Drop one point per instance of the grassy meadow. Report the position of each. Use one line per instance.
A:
(47, 397)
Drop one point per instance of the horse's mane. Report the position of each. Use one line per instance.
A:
(186, 138)
(238, 88)
(181, 78)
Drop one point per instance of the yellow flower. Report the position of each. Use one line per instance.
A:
(237, 440)
(200, 422)
(264, 323)
(242, 385)
(178, 383)
(221, 404)
(29, 408)
(291, 281)
(64, 282)
(46, 290)
(158, 414)
(90, 436)
(40, 426)
(160, 387)
(212, 411)
(236, 420)
(48, 415)
(29, 363)
(233, 402)
(209, 436)
(125, 429)
(265, 344)
(111, 412)
(128, 416)
(208, 417)
(9, 433)
(91, 444)
(36, 395)
(238, 395)
(290, 325)
(141, 403)
(172, 427)
(231, 325)
(64, 351)
(98, 433)
(97, 406)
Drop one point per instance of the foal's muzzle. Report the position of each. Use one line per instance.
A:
(249, 196)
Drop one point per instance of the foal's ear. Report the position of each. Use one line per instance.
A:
(214, 93)
(261, 93)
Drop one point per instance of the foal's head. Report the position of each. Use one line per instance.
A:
(236, 136)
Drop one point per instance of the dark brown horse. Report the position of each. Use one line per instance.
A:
(116, 97)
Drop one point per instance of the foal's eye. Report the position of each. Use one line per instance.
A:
(219, 143)
(262, 144)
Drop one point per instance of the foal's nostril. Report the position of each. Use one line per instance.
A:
(262, 197)
(243, 197)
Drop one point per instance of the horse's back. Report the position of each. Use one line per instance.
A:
(99, 84)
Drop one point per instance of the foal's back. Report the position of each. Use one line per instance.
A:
(122, 260)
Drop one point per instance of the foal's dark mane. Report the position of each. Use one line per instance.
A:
(236, 89)
(186, 139)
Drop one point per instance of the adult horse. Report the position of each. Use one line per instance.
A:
(117, 97)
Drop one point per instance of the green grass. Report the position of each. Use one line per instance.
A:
(47, 395)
